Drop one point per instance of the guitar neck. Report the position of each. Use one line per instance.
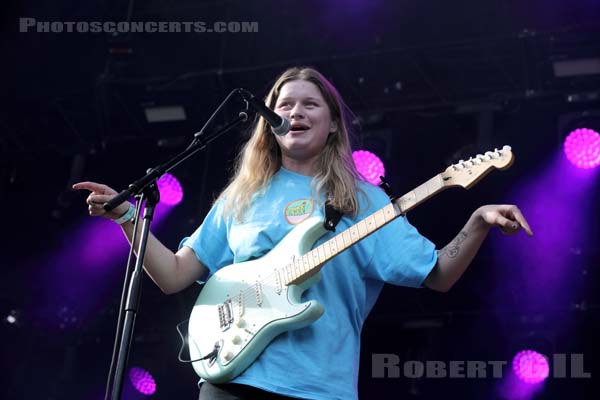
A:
(309, 264)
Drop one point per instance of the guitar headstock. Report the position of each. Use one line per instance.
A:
(469, 172)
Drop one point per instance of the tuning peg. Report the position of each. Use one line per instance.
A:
(506, 148)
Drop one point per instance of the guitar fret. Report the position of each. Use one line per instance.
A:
(379, 218)
(370, 224)
(326, 249)
(333, 246)
(298, 265)
(303, 264)
(316, 257)
(355, 234)
(359, 230)
(307, 261)
(321, 252)
(422, 191)
(389, 213)
(362, 229)
(347, 239)
(339, 243)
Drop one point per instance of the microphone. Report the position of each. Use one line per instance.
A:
(279, 125)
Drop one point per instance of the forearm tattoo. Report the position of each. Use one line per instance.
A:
(452, 249)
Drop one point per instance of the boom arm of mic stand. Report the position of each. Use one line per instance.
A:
(153, 174)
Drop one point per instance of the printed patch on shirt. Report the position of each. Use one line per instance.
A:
(298, 210)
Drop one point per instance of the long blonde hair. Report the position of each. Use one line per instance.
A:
(260, 157)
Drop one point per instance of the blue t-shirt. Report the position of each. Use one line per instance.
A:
(319, 361)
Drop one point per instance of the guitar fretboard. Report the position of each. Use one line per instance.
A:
(304, 267)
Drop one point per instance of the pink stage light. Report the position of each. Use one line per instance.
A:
(530, 366)
(142, 381)
(582, 147)
(369, 165)
(170, 190)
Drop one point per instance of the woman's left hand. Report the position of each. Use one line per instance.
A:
(507, 217)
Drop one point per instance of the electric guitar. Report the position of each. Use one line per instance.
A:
(244, 306)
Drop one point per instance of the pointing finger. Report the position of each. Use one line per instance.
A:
(91, 186)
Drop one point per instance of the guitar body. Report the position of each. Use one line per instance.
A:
(244, 306)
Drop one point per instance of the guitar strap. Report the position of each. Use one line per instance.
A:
(385, 185)
(332, 216)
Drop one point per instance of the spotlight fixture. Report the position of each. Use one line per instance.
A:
(582, 148)
(579, 137)
(530, 366)
(170, 190)
(142, 381)
(369, 165)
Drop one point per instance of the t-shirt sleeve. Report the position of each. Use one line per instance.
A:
(401, 255)
(209, 242)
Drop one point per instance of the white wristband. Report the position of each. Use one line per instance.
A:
(127, 216)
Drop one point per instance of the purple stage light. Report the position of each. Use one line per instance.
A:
(142, 380)
(530, 366)
(369, 165)
(513, 388)
(170, 189)
(582, 147)
(91, 252)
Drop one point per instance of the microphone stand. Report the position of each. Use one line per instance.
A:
(145, 189)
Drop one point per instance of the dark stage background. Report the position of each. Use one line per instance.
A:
(430, 82)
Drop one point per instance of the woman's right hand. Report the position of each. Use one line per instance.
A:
(99, 195)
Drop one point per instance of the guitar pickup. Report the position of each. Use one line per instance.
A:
(258, 293)
(225, 315)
